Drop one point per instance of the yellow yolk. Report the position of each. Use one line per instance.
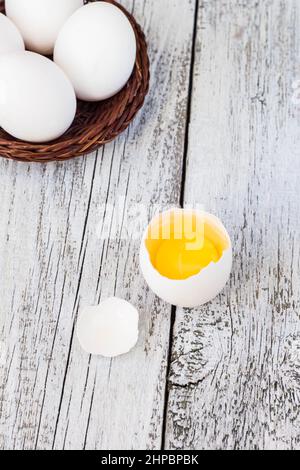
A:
(182, 244)
(176, 260)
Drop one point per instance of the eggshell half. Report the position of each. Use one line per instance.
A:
(110, 329)
(196, 290)
(10, 38)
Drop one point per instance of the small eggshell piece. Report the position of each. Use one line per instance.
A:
(39, 21)
(96, 48)
(10, 38)
(110, 329)
(37, 100)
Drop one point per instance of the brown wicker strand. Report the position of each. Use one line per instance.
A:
(95, 124)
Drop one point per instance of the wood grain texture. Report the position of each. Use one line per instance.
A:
(52, 395)
(234, 378)
(235, 374)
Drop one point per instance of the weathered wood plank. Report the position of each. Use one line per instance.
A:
(235, 373)
(52, 395)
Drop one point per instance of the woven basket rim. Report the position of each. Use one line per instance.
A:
(96, 123)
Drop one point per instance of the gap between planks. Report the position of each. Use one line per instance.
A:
(182, 194)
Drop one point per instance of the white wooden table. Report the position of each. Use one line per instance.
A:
(221, 128)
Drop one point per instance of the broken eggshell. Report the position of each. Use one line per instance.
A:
(109, 329)
(198, 289)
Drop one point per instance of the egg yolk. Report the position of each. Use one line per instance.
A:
(176, 261)
(181, 244)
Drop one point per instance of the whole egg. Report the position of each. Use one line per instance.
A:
(10, 38)
(37, 100)
(96, 48)
(39, 21)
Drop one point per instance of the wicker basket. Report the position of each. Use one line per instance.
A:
(95, 123)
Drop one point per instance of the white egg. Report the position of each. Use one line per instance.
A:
(37, 100)
(160, 257)
(97, 49)
(10, 38)
(39, 21)
(110, 329)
